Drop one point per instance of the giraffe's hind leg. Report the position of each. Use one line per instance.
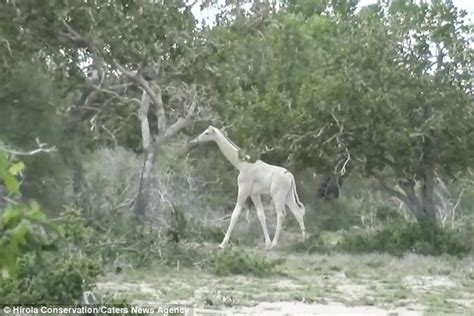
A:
(279, 190)
(280, 211)
(297, 212)
(257, 201)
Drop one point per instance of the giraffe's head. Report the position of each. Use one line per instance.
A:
(208, 135)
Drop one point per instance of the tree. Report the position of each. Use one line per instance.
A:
(385, 91)
(146, 54)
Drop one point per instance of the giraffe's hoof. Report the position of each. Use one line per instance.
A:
(222, 246)
(273, 245)
(304, 235)
(268, 245)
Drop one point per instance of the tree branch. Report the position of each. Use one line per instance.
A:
(160, 110)
(192, 114)
(156, 99)
(42, 148)
(386, 188)
(143, 117)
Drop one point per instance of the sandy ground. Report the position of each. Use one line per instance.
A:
(314, 285)
(298, 308)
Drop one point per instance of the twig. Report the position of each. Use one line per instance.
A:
(9, 200)
(41, 149)
(111, 243)
(343, 169)
(456, 206)
(7, 45)
(111, 135)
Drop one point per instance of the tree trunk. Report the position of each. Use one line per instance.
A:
(422, 205)
(80, 188)
(141, 203)
(330, 187)
(146, 176)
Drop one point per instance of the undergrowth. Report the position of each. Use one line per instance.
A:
(238, 261)
(400, 237)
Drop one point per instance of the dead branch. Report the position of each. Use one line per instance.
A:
(42, 148)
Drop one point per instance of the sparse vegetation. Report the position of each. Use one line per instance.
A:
(398, 238)
(239, 261)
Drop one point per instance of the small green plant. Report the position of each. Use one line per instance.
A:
(238, 261)
(399, 237)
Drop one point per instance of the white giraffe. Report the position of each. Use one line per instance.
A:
(255, 179)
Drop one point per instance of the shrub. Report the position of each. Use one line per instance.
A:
(315, 242)
(52, 279)
(399, 237)
(198, 232)
(238, 261)
(60, 273)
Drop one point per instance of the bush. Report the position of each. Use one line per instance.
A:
(53, 279)
(315, 242)
(60, 273)
(198, 232)
(399, 237)
(238, 261)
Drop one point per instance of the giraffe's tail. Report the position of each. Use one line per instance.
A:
(294, 194)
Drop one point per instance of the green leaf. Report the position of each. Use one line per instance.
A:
(35, 212)
(9, 261)
(16, 168)
(19, 233)
(11, 183)
(11, 216)
(3, 162)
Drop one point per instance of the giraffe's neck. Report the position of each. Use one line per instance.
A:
(229, 150)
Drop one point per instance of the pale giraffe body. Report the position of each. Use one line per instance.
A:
(255, 179)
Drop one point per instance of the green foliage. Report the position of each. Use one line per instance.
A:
(29, 96)
(320, 84)
(400, 237)
(41, 263)
(57, 270)
(315, 243)
(21, 226)
(333, 216)
(313, 80)
(200, 232)
(237, 261)
(56, 278)
(21, 232)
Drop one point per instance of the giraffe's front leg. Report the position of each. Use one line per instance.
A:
(242, 195)
(233, 221)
